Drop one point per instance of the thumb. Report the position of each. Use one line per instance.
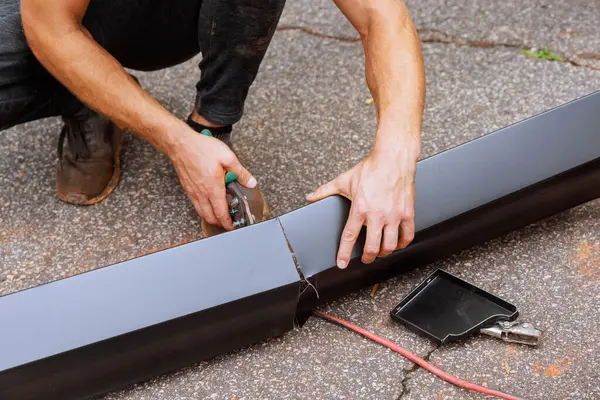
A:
(328, 189)
(244, 176)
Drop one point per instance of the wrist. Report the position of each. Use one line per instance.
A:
(169, 135)
(397, 142)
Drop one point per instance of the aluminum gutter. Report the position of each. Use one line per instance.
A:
(98, 331)
(466, 177)
(489, 221)
(117, 325)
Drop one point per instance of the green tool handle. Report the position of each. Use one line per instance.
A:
(229, 176)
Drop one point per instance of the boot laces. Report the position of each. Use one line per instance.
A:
(80, 134)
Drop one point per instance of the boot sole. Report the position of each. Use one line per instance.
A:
(110, 187)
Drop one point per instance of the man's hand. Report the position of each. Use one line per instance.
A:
(382, 187)
(382, 191)
(201, 163)
(58, 39)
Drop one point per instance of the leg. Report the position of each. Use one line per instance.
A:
(234, 36)
(145, 35)
(142, 34)
(27, 90)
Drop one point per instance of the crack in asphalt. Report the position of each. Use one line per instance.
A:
(309, 31)
(409, 371)
(574, 62)
(589, 56)
(428, 35)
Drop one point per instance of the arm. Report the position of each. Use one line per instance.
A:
(65, 48)
(381, 187)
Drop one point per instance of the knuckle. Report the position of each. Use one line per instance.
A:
(371, 251)
(221, 215)
(244, 175)
(361, 208)
(379, 214)
(230, 158)
(230, 161)
(395, 219)
(407, 214)
(349, 236)
(409, 236)
(241, 173)
(403, 243)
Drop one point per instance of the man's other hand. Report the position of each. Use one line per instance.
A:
(382, 191)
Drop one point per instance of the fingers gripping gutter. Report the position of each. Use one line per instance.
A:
(373, 242)
(408, 233)
(390, 240)
(382, 238)
(349, 236)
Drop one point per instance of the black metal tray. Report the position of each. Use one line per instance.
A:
(446, 308)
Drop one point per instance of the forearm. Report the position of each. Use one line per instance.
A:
(71, 55)
(396, 76)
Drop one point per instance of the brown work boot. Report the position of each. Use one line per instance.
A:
(89, 169)
(256, 200)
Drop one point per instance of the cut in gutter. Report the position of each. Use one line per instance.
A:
(96, 332)
(117, 325)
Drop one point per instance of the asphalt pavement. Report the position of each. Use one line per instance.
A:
(306, 120)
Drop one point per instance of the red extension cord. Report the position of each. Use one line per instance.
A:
(416, 359)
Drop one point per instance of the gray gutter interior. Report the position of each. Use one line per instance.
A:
(465, 177)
